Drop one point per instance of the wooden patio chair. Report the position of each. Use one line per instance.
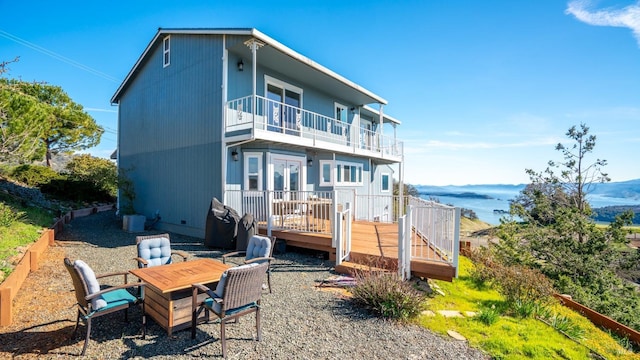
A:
(259, 249)
(94, 301)
(238, 293)
(154, 250)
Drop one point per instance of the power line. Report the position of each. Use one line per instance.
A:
(57, 56)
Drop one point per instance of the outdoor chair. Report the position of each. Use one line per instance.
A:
(154, 250)
(93, 301)
(259, 249)
(238, 293)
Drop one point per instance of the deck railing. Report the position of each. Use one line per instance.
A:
(378, 208)
(435, 231)
(279, 117)
(305, 211)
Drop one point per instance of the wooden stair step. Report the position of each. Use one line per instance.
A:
(351, 268)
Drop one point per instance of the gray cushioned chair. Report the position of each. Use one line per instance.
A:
(259, 250)
(94, 301)
(238, 293)
(154, 250)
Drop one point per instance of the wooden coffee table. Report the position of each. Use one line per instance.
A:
(167, 295)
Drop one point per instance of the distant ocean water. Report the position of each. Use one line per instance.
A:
(498, 197)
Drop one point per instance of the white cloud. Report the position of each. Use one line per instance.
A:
(628, 16)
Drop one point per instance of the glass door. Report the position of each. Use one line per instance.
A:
(286, 178)
(274, 108)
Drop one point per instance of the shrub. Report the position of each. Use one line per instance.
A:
(76, 190)
(522, 285)
(34, 175)
(386, 295)
(8, 216)
(103, 173)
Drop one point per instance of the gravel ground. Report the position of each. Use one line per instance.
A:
(298, 320)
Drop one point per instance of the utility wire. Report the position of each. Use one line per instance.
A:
(57, 56)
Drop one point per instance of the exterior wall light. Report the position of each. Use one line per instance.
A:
(240, 65)
(234, 155)
(310, 162)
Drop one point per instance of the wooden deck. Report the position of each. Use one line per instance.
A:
(372, 243)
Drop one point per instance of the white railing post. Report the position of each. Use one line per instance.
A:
(401, 254)
(408, 228)
(348, 217)
(338, 241)
(334, 217)
(456, 240)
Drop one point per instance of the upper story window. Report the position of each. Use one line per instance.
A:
(166, 51)
(385, 182)
(253, 171)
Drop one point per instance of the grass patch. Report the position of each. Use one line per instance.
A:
(22, 231)
(507, 337)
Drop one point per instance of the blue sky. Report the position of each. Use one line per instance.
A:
(484, 89)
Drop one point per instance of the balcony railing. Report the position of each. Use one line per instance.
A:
(281, 118)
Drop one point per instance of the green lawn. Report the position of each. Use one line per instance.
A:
(509, 337)
(21, 233)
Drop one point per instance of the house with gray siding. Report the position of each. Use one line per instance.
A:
(237, 115)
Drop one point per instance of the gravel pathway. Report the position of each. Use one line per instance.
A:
(298, 320)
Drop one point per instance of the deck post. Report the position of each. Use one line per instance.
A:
(401, 262)
(339, 239)
(456, 241)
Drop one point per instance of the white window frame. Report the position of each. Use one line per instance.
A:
(253, 155)
(388, 176)
(337, 105)
(340, 181)
(166, 51)
(331, 172)
(269, 80)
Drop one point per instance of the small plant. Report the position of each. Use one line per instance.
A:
(524, 309)
(386, 295)
(488, 316)
(565, 325)
(8, 216)
(127, 192)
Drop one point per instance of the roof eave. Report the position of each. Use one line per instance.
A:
(258, 35)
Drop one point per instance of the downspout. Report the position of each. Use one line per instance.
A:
(223, 143)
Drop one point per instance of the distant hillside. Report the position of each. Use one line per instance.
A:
(608, 213)
(624, 189)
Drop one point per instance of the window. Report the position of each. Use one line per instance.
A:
(326, 173)
(166, 51)
(348, 173)
(385, 183)
(253, 171)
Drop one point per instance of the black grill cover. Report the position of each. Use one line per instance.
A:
(221, 226)
(247, 227)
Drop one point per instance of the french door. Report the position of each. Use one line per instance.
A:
(287, 177)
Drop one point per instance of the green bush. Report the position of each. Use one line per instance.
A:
(103, 173)
(76, 190)
(34, 175)
(8, 216)
(386, 295)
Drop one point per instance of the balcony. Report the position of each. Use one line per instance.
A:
(276, 121)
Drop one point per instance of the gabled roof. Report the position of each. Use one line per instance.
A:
(366, 94)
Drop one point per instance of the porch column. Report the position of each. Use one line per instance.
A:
(254, 45)
(381, 133)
